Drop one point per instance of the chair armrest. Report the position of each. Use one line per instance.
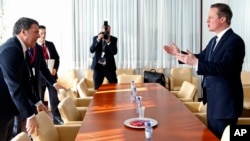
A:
(82, 111)
(171, 83)
(186, 99)
(167, 83)
(243, 121)
(202, 117)
(246, 92)
(83, 102)
(78, 123)
(175, 93)
(192, 106)
(68, 132)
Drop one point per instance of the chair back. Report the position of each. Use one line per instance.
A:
(187, 90)
(21, 137)
(245, 77)
(121, 71)
(47, 130)
(179, 75)
(68, 110)
(82, 89)
(68, 79)
(128, 78)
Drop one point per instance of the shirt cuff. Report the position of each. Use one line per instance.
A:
(196, 66)
(39, 103)
(55, 84)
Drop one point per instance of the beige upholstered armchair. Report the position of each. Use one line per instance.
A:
(69, 112)
(198, 109)
(179, 75)
(186, 92)
(83, 89)
(50, 132)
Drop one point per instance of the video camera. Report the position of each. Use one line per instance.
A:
(106, 32)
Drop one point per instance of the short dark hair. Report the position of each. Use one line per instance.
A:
(23, 23)
(223, 11)
(42, 27)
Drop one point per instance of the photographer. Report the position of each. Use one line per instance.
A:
(104, 47)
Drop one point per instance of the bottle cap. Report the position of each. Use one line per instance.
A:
(147, 123)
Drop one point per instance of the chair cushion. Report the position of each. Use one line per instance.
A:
(187, 90)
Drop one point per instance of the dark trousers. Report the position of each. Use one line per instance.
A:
(217, 126)
(102, 71)
(53, 99)
(6, 128)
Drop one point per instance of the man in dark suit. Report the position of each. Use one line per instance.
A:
(221, 64)
(105, 47)
(16, 79)
(42, 73)
(49, 52)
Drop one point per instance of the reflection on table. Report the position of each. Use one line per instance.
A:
(111, 106)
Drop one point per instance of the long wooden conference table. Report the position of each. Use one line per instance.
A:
(111, 106)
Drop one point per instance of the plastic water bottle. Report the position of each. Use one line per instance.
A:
(148, 131)
(133, 91)
(138, 103)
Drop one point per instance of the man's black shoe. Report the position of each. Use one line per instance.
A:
(58, 121)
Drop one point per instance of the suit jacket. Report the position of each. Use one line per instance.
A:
(42, 72)
(16, 95)
(223, 83)
(53, 55)
(110, 51)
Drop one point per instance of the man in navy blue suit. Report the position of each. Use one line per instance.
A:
(47, 51)
(18, 95)
(104, 47)
(220, 63)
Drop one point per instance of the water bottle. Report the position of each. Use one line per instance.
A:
(138, 103)
(148, 131)
(133, 91)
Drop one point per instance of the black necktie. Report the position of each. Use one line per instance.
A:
(213, 43)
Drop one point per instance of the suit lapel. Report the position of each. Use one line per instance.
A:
(219, 45)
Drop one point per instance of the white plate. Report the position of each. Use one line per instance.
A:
(127, 122)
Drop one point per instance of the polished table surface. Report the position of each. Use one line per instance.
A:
(111, 106)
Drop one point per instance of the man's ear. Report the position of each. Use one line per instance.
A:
(24, 32)
(223, 19)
